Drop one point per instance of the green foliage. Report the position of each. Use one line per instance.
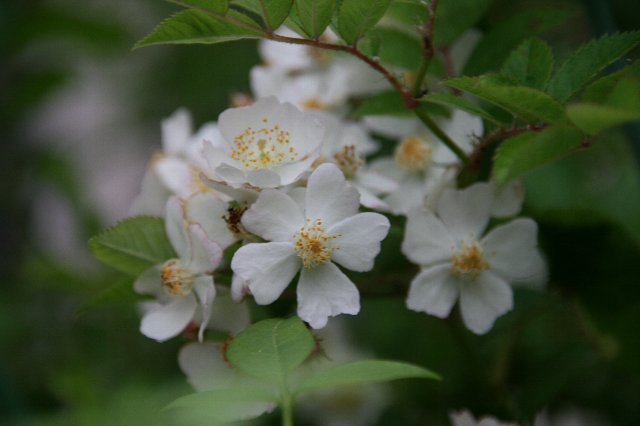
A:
(366, 371)
(119, 292)
(593, 119)
(496, 45)
(133, 245)
(453, 17)
(529, 150)
(314, 15)
(530, 64)
(356, 17)
(193, 26)
(601, 90)
(214, 6)
(390, 103)
(272, 12)
(450, 100)
(395, 47)
(588, 61)
(271, 349)
(524, 102)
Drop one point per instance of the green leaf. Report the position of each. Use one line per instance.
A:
(367, 371)
(356, 17)
(529, 150)
(133, 245)
(525, 102)
(192, 26)
(593, 119)
(390, 103)
(409, 13)
(272, 12)
(451, 100)
(219, 406)
(530, 64)
(121, 291)
(315, 15)
(588, 61)
(397, 48)
(270, 349)
(600, 90)
(214, 6)
(453, 17)
(496, 45)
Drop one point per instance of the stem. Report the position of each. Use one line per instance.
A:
(287, 408)
(424, 117)
(426, 31)
(420, 74)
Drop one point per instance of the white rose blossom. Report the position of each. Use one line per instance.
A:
(180, 284)
(458, 261)
(308, 237)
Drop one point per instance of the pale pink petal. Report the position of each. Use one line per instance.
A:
(167, 321)
(434, 291)
(483, 300)
(358, 240)
(268, 268)
(274, 216)
(329, 196)
(323, 292)
(426, 239)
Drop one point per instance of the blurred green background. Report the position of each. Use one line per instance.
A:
(81, 114)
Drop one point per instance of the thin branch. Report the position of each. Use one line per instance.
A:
(428, 49)
(424, 117)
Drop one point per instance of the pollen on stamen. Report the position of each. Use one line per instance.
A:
(176, 278)
(413, 153)
(348, 161)
(468, 261)
(265, 147)
(313, 245)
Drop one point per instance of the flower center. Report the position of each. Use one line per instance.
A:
(176, 278)
(467, 261)
(261, 148)
(233, 218)
(348, 161)
(313, 103)
(313, 244)
(413, 153)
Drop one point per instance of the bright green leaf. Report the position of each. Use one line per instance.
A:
(220, 406)
(272, 12)
(214, 6)
(397, 48)
(121, 291)
(593, 119)
(526, 151)
(525, 102)
(588, 61)
(356, 17)
(600, 90)
(133, 245)
(270, 349)
(409, 13)
(192, 26)
(496, 45)
(530, 64)
(367, 371)
(453, 17)
(451, 100)
(315, 15)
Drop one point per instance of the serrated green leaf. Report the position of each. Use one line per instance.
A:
(192, 26)
(600, 90)
(396, 48)
(588, 61)
(451, 100)
(133, 245)
(215, 6)
(410, 13)
(593, 119)
(453, 17)
(525, 102)
(356, 17)
(506, 36)
(530, 64)
(315, 15)
(367, 371)
(121, 291)
(390, 103)
(220, 406)
(526, 151)
(270, 349)
(272, 12)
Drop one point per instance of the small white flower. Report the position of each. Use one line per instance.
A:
(465, 418)
(180, 284)
(457, 260)
(329, 228)
(267, 144)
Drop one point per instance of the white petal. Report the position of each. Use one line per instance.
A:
(358, 240)
(169, 320)
(508, 200)
(239, 288)
(376, 181)
(205, 255)
(274, 216)
(230, 174)
(263, 178)
(208, 211)
(268, 268)
(213, 155)
(226, 315)
(465, 212)
(426, 239)
(462, 127)
(483, 300)
(176, 131)
(329, 196)
(153, 196)
(175, 174)
(367, 199)
(204, 365)
(512, 252)
(323, 292)
(292, 172)
(176, 228)
(206, 291)
(409, 195)
(148, 282)
(434, 291)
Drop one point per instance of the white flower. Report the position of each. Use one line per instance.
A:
(464, 418)
(267, 144)
(457, 260)
(327, 229)
(180, 284)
